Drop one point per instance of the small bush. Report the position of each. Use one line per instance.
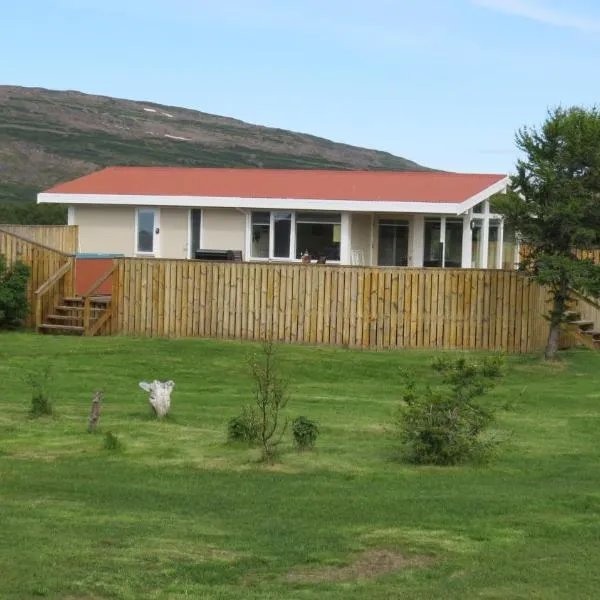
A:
(40, 405)
(14, 306)
(39, 382)
(112, 442)
(244, 427)
(305, 433)
(446, 425)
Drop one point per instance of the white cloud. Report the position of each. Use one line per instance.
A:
(542, 12)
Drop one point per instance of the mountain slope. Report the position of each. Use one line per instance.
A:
(50, 136)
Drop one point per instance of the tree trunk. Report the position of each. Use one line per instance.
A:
(553, 339)
(557, 315)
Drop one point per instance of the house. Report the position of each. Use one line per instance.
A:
(375, 218)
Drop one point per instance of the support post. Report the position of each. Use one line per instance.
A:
(467, 242)
(500, 246)
(345, 236)
(418, 240)
(485, 235)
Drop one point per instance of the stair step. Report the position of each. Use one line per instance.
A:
(79, 308)
(582, 324)
(61, 327)
(65, 317)
(572, 315)
(594, 333)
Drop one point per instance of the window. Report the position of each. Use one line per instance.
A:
(393, 243)
(195, 224)
(282, 227)
(319, 234)
(287, 235)
(260, 234)
(446, 253)
(147, 229)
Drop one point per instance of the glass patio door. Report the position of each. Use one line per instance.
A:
(393, 243)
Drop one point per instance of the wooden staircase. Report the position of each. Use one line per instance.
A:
(58, 310)
(583, 331)
(72, 316)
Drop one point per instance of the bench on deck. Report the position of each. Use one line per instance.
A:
(219, 255)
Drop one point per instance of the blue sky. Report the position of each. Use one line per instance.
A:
(443, 82)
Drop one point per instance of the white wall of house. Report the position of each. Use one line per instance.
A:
(105, 229)
(174, 232)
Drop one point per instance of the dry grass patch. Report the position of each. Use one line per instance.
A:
(369, 564)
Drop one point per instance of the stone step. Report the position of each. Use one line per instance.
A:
(594, 333)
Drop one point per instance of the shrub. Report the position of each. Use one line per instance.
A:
(270, 393)
(112, 442)
(39, 382)
(244, 427)
(305, 433)
(446, 425)
(14, 306)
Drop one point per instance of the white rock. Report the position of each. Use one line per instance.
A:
(159, 395)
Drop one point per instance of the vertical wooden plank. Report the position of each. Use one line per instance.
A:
(426, 304)
(414, 309)
(252, 297)
(326, 302)
(524, 329)
(314, 323)
(381, 307)
(301, 303)
(239, 302)
(360, 283)
(334, 319)
(347, 310)
(374, 306)
(352, 308)
(406, 316)
(508, 312)
(295, 300)
(518, 303)
(436, 318)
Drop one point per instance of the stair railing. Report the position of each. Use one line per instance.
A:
(88, 327)
(63, 279)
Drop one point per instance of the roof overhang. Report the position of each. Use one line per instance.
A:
(445, 208)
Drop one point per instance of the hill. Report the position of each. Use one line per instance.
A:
(50, 136)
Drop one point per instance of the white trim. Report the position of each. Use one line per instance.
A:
(490, 191)
(286, 204)
(71, 215)
(155, 236)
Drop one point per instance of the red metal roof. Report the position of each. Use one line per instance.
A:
(394, 186)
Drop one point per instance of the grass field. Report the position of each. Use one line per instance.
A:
(181, 514)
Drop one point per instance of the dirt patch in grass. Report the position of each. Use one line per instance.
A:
(367, 565)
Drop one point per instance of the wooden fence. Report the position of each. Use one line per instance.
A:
(344, 306)
(60, 237)
(44, 263)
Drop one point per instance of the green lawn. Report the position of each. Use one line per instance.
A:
(181, 514)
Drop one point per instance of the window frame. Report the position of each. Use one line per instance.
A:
(293, 253)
